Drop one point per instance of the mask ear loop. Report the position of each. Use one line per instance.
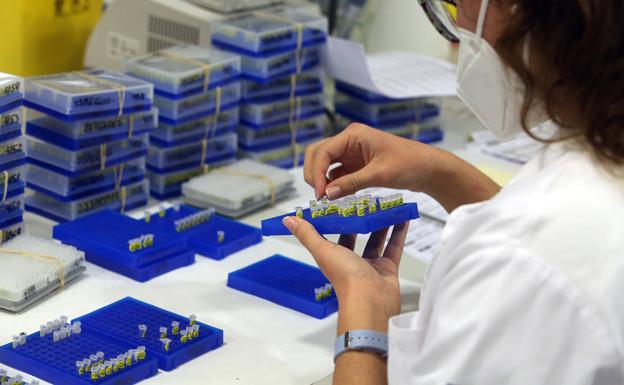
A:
(481, 21)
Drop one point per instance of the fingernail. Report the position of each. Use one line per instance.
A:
(290, 223)
(333, 192)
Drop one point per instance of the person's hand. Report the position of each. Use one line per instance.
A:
(367, 287)
(368, 158)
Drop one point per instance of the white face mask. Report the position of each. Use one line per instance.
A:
(493, 92)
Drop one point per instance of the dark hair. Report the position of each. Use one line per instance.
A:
(575, 67)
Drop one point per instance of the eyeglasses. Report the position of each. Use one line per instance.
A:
(443, 16)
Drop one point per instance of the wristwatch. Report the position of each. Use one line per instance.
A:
(363, 341)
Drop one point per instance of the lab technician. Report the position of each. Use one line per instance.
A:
(528, 287)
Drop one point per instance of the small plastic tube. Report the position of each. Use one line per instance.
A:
(176, 207)
(80, 367)
(299, 211)
(100, 357)
(166, 342)
(175, 328)
(220, 236)
(56, 336)
(195, 330)
(77, 327)
(63, 320)
(163, 332)
(94, 373)
(192, 319)
(42, 331)
(184, 336)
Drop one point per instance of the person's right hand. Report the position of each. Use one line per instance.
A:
(368, 158)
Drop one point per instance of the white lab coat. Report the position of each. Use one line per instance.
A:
(528, 288)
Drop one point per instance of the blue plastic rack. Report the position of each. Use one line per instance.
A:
(104, 236)
(55, 362)
(335, 224)
(203, 238)
(286, 282)
(119, 322)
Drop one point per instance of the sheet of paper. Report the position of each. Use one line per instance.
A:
(519, 149)
(423, 239)
(393, 74)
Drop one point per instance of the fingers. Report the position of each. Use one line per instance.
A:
(352, 183)
(333, 259)
(319, 157)
(394, 249)
(347, 240)
(375, 244)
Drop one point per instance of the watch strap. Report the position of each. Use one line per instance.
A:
(362, 340)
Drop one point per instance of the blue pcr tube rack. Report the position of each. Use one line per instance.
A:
(203, 235)
(55, 362)
(119, 322)
(337, 224)
(286, 282)
(104, 237)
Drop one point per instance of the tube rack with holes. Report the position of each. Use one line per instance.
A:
(104, 236)
(305, 83)
(119, 322)
(266, 69)
(169, 184)
(261, 115)
(266, 32)
(239, 188)
(253, 139)
(169, 135)
(182, 70)
(175, 111)
(66, 188)
(127, 198)
(201, 229)
(286, 282)
(26, 278)
(74, 163)
(90, 132)
(197, 154)
(81, 95)
(54, 361)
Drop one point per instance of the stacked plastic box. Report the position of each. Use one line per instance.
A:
(417, 119)
(197, 92)
(282, 87)
(87, 142)
(12, 157)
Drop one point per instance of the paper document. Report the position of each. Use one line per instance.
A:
(517, 150)
(393, 74)
(423, 239)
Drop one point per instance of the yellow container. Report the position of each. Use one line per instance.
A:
(45, 36)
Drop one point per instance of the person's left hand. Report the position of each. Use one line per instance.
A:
(367, 287)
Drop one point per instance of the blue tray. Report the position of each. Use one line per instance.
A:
(55, 362)
(262, 115)
(203, 237)
(105, 235)
(285, 282)
(307, 82)
(267, 69)
(202, 104)
(119, 322)
(335, 224)
(254, 139)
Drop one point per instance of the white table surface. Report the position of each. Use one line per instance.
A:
(264, 343)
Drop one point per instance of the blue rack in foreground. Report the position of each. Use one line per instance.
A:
(55, 362)
(203, 238)
(335, 224)
(120, 322)
(286, 282)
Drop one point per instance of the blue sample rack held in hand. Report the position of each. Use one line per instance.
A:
(289, 283)
(208, 234)
(135, 322)
(57, 361)
(351, 215)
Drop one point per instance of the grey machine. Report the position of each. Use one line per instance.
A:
(130, 28)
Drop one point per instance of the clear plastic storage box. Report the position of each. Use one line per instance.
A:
(281, 29)
(67, 188)
(167, 135)
(307, 82)
(76, 95)
(11, 150)
(11, 123)
(136, 195)
(89, 132)
(12, 208)
(279, 135)
(13, 179)
(280, 156)
(169, 185)
(239, 188)
(11, 89)
(72, 163)
(266, 114)
(185, 69)
(199, 105)
(186, 156)
(263, 69)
